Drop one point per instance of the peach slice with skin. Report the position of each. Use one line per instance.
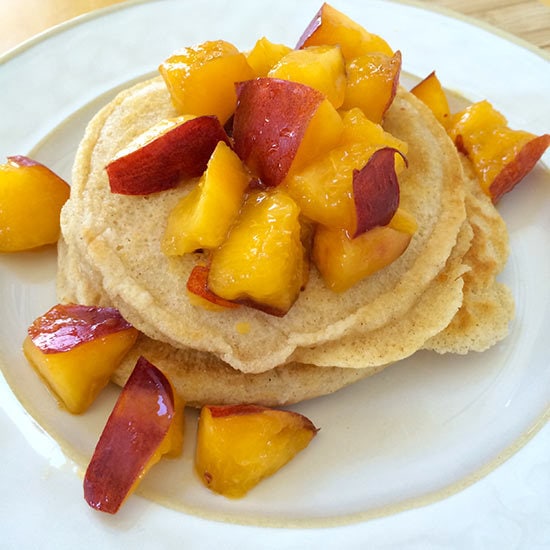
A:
(31, 198)
(265, 55)
(170, 151)
(372, 81)
(330, 26)
(239, 445)
(261, 262)
(501, 156)
(76, 348)
(344, 261)
(321, 67)
(202, 218)
(145, 424)
(201, 79)
(278, 122)
(431, 93)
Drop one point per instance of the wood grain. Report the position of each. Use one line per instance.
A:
(526, 19)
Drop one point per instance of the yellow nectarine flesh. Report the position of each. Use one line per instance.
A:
(431, 93)
(343, 261)
(265, 55)
(330, 26)
(321, 67)
(239, 445)
(31, 197)
(261, 262)
(201, 79)
(372, 83)
(76, 349)
(202, 218)
(500, 155)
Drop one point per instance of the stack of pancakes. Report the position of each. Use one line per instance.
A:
(441, 294)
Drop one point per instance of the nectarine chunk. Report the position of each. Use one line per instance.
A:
(201, 79)
(146, 423)
(239, 445)
(31, 197)
(321, 67)
(170, 151)
(202, 218)
(500, 155)
(265, 55)
(431, 93)
(261, 262)
(76, 348)
(270, 122)
(344, 261)
(372, 83)
(330, 26)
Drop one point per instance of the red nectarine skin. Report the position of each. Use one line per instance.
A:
(65, 326)
(181, 152)
(516, 170)
(198, 284)
(376, 190)
(269, 123)
(135, 429)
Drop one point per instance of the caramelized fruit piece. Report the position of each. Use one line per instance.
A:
(264, 55)
(146, 423)
(329, 26)
(202, 218)
(501, 156)
(343, 261)
(31, 197)
(372, 83)
(430, 92)
(165, 154)
(321, 67)
(201, 79)
(272, 123)
(261, 262)
(239, 445)
(76, 348)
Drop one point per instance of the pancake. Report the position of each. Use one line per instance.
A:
(116, 239)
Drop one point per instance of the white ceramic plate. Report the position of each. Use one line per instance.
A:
(435, 452)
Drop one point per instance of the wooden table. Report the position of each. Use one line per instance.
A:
(527, 19)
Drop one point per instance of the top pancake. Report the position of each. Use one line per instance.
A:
(120, 237)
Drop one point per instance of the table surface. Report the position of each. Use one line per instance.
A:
(526, 19)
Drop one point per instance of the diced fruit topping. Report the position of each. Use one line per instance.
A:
(203, 217)
(430, 92)
(501, 156)
(239, 445)
(146, 423)
(372, 83)
(31, 198)
(270, 122)
(321, 67)
(76, 348)
(265, 55)
(201, 80)
(261, 262)
(165, 154)
(344, 261)
(330, 26)
(376, 191)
